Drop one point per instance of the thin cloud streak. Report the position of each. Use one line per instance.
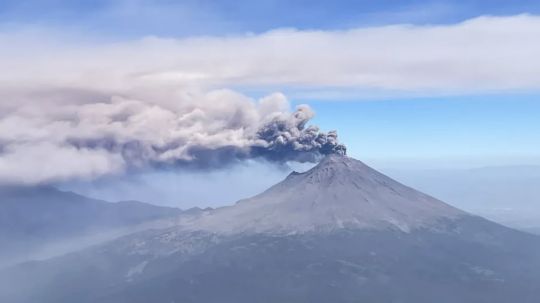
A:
(482, 54)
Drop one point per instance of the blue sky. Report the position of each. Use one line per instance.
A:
(124, 18)
(439, 132)
(407, 84)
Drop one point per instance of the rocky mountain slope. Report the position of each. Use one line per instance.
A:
(341, 232)
(339, 193)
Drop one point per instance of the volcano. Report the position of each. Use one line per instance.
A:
(339, 193)
(340, 232)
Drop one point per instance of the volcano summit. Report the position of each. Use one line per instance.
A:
(340, 232)
(338, 193)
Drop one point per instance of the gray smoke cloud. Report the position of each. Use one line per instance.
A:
(57, 141)
(288, 138)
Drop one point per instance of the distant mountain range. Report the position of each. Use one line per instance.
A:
(33, 217)
(506, 194)
(340, 232)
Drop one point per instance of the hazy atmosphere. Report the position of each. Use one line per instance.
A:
(119, 106)
(176, 109)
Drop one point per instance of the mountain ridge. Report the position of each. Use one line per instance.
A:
(339, 192)
(245, 253)
(33, 218)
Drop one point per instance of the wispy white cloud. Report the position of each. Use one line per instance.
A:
(486, 53)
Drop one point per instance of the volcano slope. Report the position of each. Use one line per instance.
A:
(340, 232)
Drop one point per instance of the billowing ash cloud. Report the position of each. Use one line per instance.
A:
(54, 140)
(287, 137)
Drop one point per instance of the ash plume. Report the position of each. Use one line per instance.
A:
(201, 131)
(288, 138)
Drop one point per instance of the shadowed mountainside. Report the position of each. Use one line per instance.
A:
(341, 232)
